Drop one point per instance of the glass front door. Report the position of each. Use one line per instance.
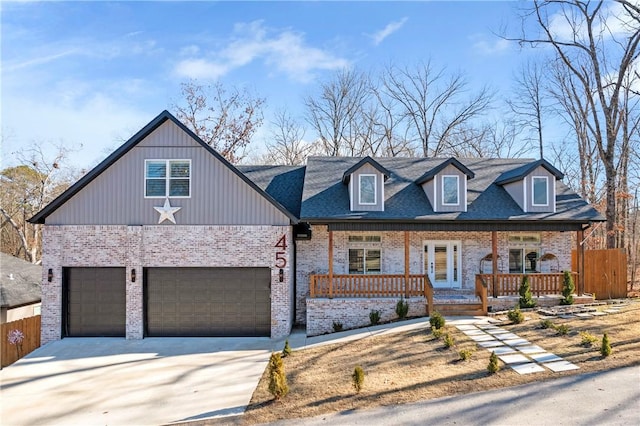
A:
(442, 260)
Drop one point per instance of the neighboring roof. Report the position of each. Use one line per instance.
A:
(127, 146)
(283, 183)
(522, 171)
(19, 282)
(325, 199)
(366, 160)
(451, 161)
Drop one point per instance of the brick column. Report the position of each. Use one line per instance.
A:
(134, 321)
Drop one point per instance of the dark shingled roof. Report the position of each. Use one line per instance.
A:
(520, 172)
(366, 160)
(283, 183)
(24, 288)
(433, 172)
(326, 199)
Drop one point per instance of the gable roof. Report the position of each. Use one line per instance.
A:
(326, 200)
(521, 172)
(41, 216)
(283, 183)
(20, 282)
(430, 174)
(366, 160)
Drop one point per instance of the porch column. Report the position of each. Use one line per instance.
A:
(406, 264)
(330, 264)
(494, 262)
(580, 254)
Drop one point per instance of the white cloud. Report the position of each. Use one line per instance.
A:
(563, 24)
(285, 50)
(489, 47)
(391, 28)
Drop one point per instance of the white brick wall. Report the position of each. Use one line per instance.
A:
(156, 246)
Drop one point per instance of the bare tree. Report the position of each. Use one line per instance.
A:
(597, 45)
(286, 145)
(226, 119)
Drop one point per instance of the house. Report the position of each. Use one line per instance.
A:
(19, 288)
(167, 238)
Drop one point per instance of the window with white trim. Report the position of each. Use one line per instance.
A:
(540, 190)
(524, 253)
(450, 190)
(367, 189)
(167, 178)
(364, 254)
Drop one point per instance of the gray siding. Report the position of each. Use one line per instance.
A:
(367, 169)
(433, 190)
(551, 183)
(428, 190)
(218, 196)
(516, 191)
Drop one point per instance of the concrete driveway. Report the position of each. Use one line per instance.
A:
(103, 381)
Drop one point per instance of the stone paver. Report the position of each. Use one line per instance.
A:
(484, 338)
(517, 342)
(545, 357)
(507, 336)
(528, 368)
(530, 349)
(502, 350)
(513, 359)
(560, 366)
(475, 332)
(490, 344)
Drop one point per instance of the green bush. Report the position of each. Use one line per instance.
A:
(437, 332)
(567, 289)
(465, 354)
(402, 308)
(357, 378)
(277, 379)
(515, 316)
(337, 326)
(374, 317)
(437, 320)
(286, 351)
(562, 329)
(588, 339)
(547, 323)
(494, 364)
(526, 298)
(605, 349)
(449, 341)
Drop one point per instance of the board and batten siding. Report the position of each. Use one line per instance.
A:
(218, 195)
(522, 191)
(433, 190)
(367, 169)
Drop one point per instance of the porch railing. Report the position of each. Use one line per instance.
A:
(509, 284)
(359, 285)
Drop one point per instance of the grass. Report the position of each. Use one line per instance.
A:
(410, 366)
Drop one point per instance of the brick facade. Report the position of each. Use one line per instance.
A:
(138, 247)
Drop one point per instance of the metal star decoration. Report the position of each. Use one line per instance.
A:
(166, 212)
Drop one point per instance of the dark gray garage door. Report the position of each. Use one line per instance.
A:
(208, 302)
(95, 301)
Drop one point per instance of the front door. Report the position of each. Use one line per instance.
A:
(442, 261)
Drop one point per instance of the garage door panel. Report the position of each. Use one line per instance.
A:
(208, 301)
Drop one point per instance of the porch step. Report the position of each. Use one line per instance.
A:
(459, 309)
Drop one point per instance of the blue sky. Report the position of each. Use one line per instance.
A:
(93, 73)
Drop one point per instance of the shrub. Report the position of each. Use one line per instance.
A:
(562, 329)
(567, 289)
(515, 316)
(588, 339)
(437, 320)
(547, 323)
(494, 365)
(526, 298)
(449, 341)
(358, 378)
(337, 326)
(402, 308)
(286, 351)
(374, 317)
(605, 349)
(465, 354)
(437, 332)
(277, 379)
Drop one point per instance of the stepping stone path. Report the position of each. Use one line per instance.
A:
(519, 354)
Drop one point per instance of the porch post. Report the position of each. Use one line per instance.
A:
(494, 262)
(580, 254)
(406, 264)
(330, 264)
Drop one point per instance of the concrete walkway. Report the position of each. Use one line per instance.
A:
(602, 398)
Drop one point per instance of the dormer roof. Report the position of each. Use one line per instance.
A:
(366, 160)
(519, 173)
(434, 171)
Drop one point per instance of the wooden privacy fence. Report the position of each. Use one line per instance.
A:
(30, 328)
(605, 272)
(359, 285)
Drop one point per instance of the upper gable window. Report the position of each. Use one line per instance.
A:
(167, 178)
(450, 190)
(367, 189)
(540, 190)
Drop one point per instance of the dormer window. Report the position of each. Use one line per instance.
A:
(367, 189)
(450, 190)
(540, 186)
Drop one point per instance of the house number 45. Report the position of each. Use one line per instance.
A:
(281, 261)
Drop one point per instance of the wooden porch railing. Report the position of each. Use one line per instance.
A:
(359, 285)
(509, 284)
(481, 291)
